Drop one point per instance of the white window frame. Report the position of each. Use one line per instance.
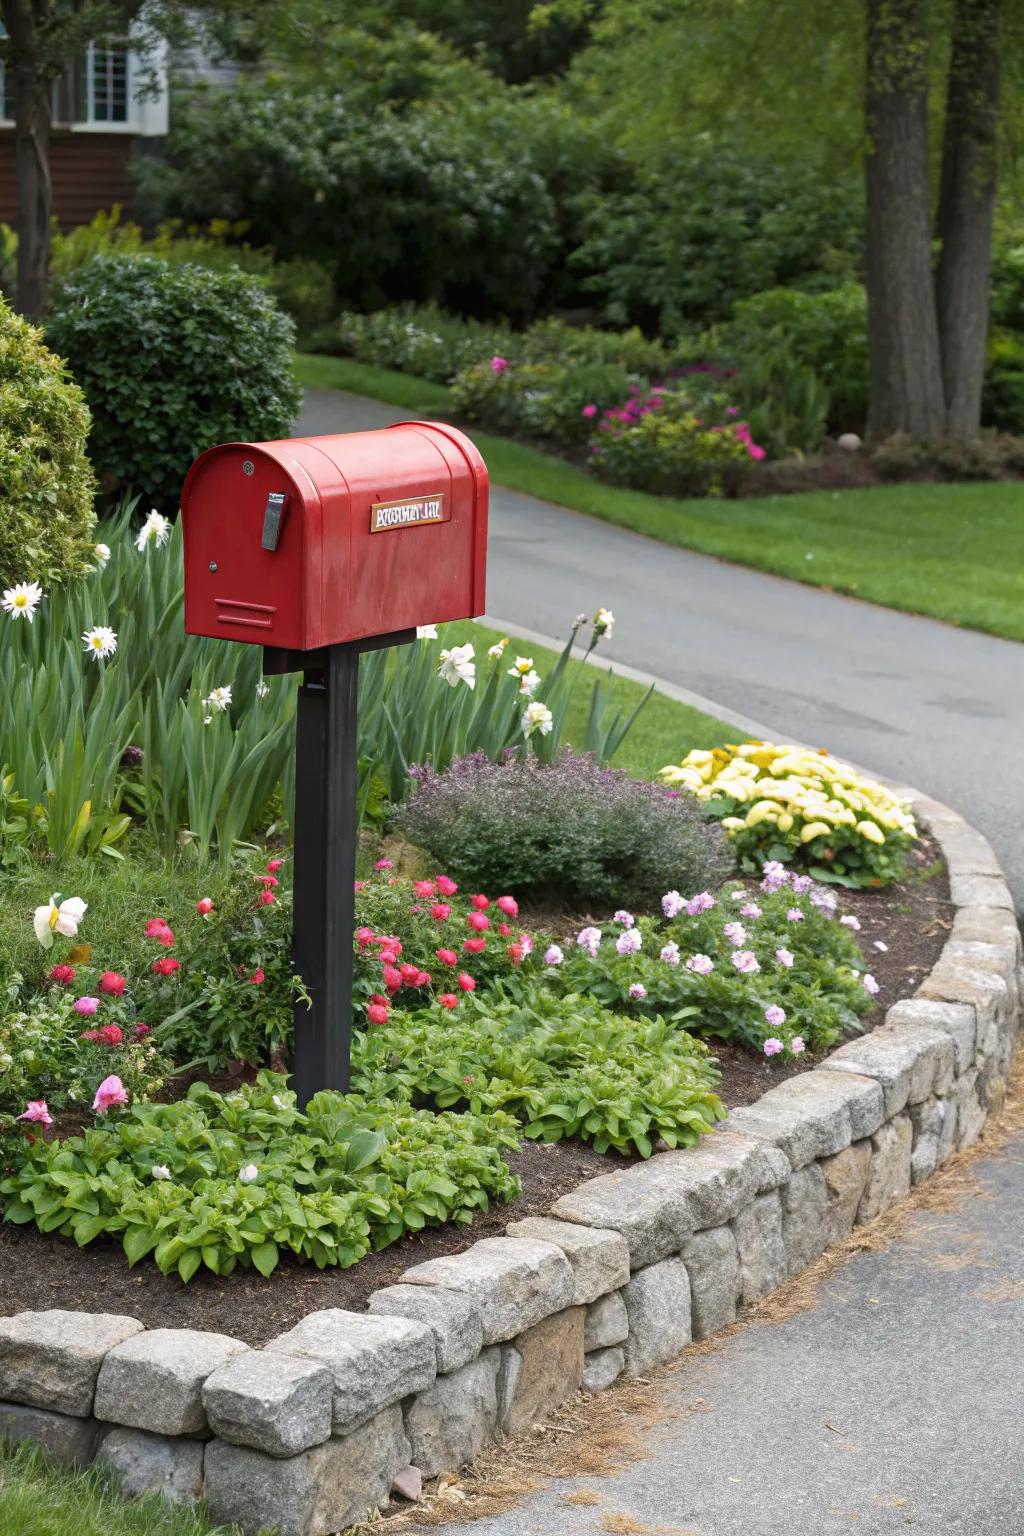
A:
(145, 118)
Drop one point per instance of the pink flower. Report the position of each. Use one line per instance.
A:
(745, 961)
(794, 915)
(796, 1045)
(504, 930)
(498, 364)
(735, 933)
(409, 973)
(155, 927)
(474, 946)
(702, 902)
(479, 903)
(625, 918)
(110, 1092)
(701, 965)
(553, 955)
(384, 864)
(672, 904)
(851, 922)
(775, 1015)
(871, 986)
(589, 939)
(589, 411)
(111, 982)
(441, 911)
(449, 999)
(750, 909)
(273, 865)
(140, 1031)
(801, 884)
(446, 956)
(392, 978)
(378, 1013)
(466, 982)
(424, 889)
(87, 1005)
(265, 899)
(258, 977)
(204, 906)
(637, 991)
(63, 975)
(268, 881)
(445, 886)
(37, 1112)
(772, 1047)
(515, 953)
(670, 953)
(628, 942)
(785, 958)
(479, 921)
(364, 936)
(508, 905)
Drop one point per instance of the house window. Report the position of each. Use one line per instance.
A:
(105, 97)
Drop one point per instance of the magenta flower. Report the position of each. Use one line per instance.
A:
(701, 965)
(589, 411)
(772, 1047)
(785, 957)
(775, 1015)
(745, 961)
(111, 1092)
(37, 1112)
(87, 1005)
(498, 364)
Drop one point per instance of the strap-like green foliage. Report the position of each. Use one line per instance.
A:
(46, 481)
(330, 1184)
(563, 1066)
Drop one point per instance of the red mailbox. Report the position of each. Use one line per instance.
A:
(320, 541)
(319, 548)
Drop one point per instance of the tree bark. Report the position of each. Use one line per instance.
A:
(31, 154)
(905, 392)
(966, 206)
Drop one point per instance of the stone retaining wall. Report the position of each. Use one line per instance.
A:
(309, 1433)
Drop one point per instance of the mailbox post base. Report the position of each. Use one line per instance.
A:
(326, 782)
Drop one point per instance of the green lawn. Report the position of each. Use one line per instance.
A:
(955, 552)
(38, 1498)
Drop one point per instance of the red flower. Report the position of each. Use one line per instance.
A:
(479, 921)
(359, 885)
(392, 978)
(424, 889)
(111, 982)
(165, 966)
(257, 978)
(445, 887)
(266, 899)
(156, 926)
(204, 906)
(110, 1034)
(480, 902)
(140, 1031)
(409, 973)
(475, 946)
(365, 936)
(273, 865)
(515, 953)
(466, 982)
(504, 930)
(378, 997)
(446, 956)
(449, 999)
(268, 880)
(378, 1013)
(508, 905)
(423, 979)
(63, 975)
(441, 910)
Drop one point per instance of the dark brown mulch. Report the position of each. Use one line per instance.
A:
(38, 1272)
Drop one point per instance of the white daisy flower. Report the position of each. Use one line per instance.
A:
(219, 700)
(100, 641)
(155, 530)
(22, 600)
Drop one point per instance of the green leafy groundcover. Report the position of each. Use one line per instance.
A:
(327, 1185)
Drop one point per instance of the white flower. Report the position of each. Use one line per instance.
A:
(262, 689)
(100, 641)
(219, 699)
(458, 666)
(553, 955)
(537, 717)
(22, 600)
(580, 618)
(497, 651)
(156, 529)
(426, 631)
(102, 553)
(207, 719)
(529, 683)
(249, 1174)
(523, 664)
(52, 919)
(604, 622)
(160, 1171)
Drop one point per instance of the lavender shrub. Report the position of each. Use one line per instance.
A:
(569, 831)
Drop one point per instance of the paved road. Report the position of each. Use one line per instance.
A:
(896, 1404)
(933, 706)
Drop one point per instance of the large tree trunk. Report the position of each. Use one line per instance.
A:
(903, 335)
(31, 152)
(966, 204)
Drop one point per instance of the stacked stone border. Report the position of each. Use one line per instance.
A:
(309, 1434)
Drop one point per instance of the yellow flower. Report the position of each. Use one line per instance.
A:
(814, 829)
(785, 822)
(871, 832)
(764, 810)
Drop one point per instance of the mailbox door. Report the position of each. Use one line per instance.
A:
(247, 550)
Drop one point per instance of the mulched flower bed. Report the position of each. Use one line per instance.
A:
(912, 920)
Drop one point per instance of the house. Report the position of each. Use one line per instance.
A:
(100, 109)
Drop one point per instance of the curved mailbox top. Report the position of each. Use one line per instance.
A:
(315, 541)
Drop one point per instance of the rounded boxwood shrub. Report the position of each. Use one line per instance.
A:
(173, 358)
(570, 831)
(46, 481)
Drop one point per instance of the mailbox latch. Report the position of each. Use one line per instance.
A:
(273, 516)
